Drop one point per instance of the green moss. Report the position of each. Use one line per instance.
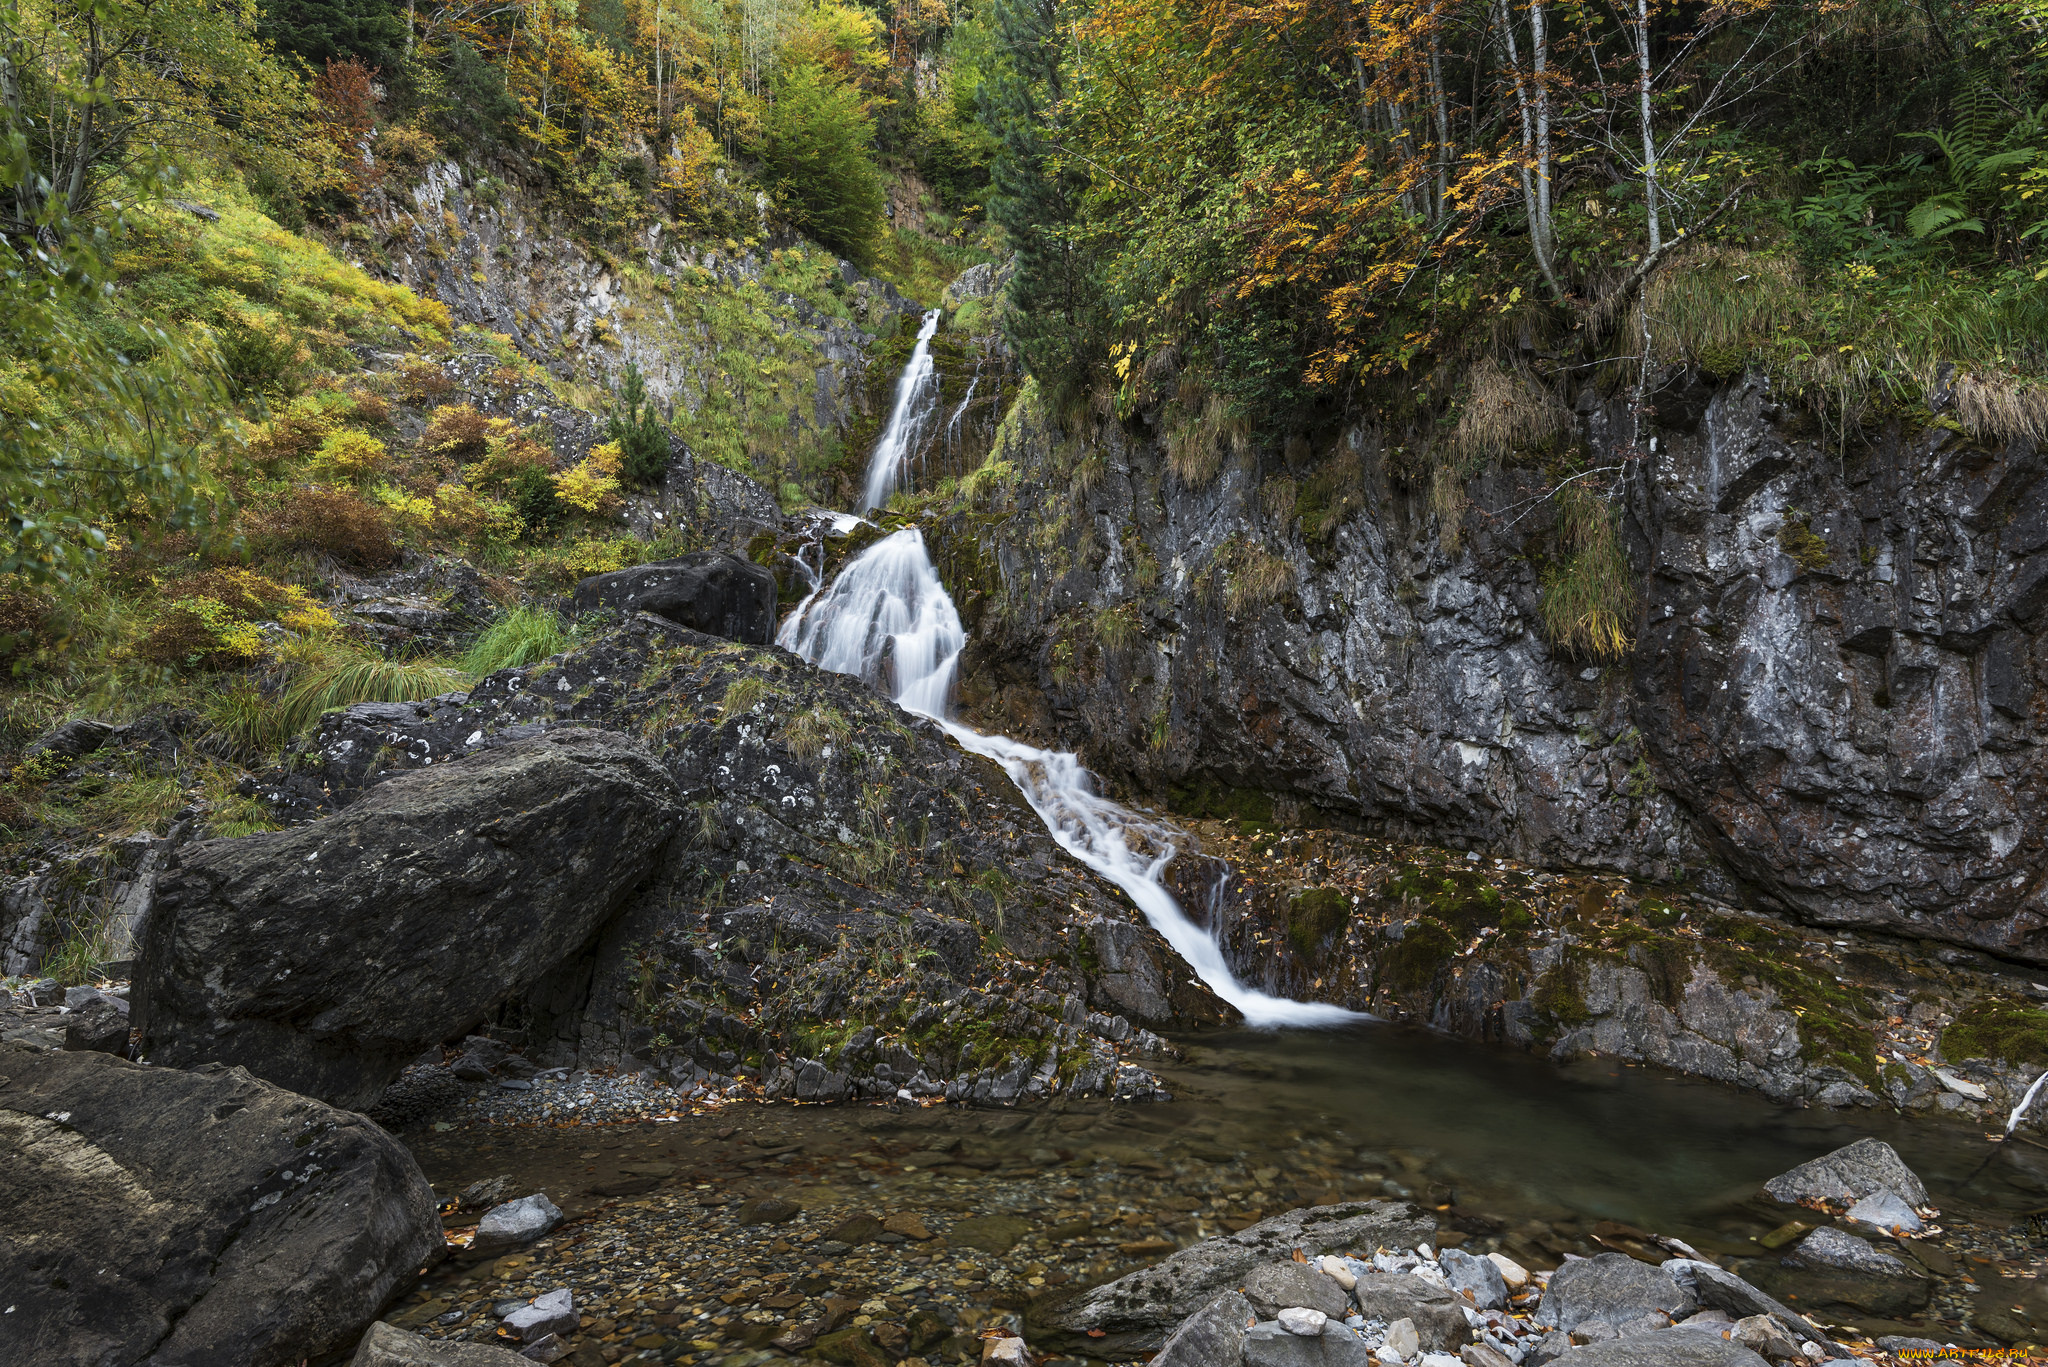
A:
(1425, 948)
(2000, 1030)
(1515, 916)
(1251, 809)
(1653, 911)
(1560, 995)
(1807, 548)
(1459, 898)
(1314, 916)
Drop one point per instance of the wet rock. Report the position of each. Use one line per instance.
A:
(546, 1348)
(1849, 1174)
(1272, 1345)
(1135, 1312)
(1829, 1247)
(1433, 1310)
(328, 956)
(1610, 1288)
(715, 592)
(1884, 1211)
(486, 1192)
(515, 1223)
(909, 1226)
(1478, 1280)
(1214, 1336)
(1673, 1348)
(389, 1346)
(552, 1313)
(1766, 1336)
(854, 1230)
(1716, 1288)
(240, 1223)
(767, 1210)
(996, 1234)
(1272, 1287)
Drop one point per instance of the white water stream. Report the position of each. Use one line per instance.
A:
(888, 619)
(917, 394)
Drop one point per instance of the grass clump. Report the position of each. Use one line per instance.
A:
(525, 635)
(1999, 1030)
(811, 730)
(1589, 593)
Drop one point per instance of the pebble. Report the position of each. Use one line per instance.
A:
(1304, 1322)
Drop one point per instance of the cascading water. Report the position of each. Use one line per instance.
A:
(917, 394)
(888, 619)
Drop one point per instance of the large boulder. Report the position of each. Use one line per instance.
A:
(1613, 1288)
(327, 957)
(1136, 1312)
(1213, 1336)
(715, 592)
(171, 1218)
(1848, 1175)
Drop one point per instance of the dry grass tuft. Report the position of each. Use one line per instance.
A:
(2001, 405)
(1504, 411)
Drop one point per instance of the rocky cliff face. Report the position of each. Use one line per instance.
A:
(1829, 705)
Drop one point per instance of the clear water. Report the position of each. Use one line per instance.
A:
(1517, 1136)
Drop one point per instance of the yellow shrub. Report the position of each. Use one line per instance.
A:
(300, 428)
(592, 486)
(412, 511)
(465, 514)
(212, 619)
(350, 455)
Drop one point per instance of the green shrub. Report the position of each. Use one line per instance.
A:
(815, 147)
(637, 427)
(532, 494)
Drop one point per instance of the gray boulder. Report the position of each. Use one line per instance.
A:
(1847, 1175)
(1830, 1247)
(387, 1346)
(1273, 1287)
(1612, 1288)
(1478, 1280)
(1135, 1312)
(715, 592)
(1671, 1348)
(1885, 1211)
(1269, 1345)
(98, 1026)
(1439, 1320)
(191, 1219)
(328, 956)
(1716, 1288)
(515, 1223)
(1211, 1337)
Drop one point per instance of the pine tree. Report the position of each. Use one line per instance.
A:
(637, 427)
(1035, 194)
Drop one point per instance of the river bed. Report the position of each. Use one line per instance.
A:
(1511, 1152)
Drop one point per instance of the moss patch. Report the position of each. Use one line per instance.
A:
(1314, 916)
(1560, 995)
(2000, 1030)
(1425, 948)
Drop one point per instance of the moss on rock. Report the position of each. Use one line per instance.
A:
(1999, 1030)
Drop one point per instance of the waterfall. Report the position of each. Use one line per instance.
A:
(888, 619)
(917, 394)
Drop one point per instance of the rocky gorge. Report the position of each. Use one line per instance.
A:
(679, 881)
